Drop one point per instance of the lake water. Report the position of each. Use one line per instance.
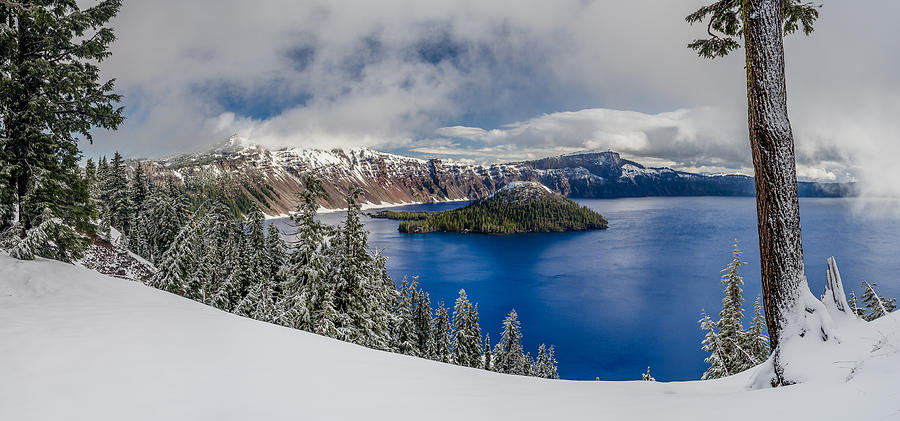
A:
(618, 300)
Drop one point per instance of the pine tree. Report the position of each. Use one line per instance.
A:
(52, 96)
(647, 377)
(757, 343)
(878, 306)
(119, 200)
(854, 305)
(306, 287)
(276, 250)
(405, 329)
(422, 321)
(174, 270)
(711, 344)
(466, 345)
(730, 326)
(442, 334)
(508, 353)
(487, 351)
(540, 368)
(763, 24)
(552, 364)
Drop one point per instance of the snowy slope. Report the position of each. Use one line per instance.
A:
(77, 345)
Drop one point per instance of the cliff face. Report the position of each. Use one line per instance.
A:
(273, 178)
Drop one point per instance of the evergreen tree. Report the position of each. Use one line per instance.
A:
(175, 267)
(878, 306)
(647, 377)
(306, 287)
(757, 343)
(552, 364)
(854, 305)
(442, 334)
(51, 96)
(732, 350)
(422, 321)
(466, 346)
(762, 24)
(487, 351)
(405, 329)
(508, 353)
(90, 176)
(711, 344)
(540, 368)
(276, 250)
(119, 200)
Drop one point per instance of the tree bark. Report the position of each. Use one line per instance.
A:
(772, 142)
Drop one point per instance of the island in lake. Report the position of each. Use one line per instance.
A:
(518, 207)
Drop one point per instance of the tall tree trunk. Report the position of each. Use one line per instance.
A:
(778, 209)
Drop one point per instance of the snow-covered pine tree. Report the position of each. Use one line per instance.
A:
(540, 368)
(405, 328)
(477, 350)
(508, 354)
(466, 345)
(757, 343)
(176, 264)
(854, 305)
(119, 201)
(442, 334)
(763, 24)
(422, 321)
(364, 293)
(487, 351)
(730, 328)
(258, 264)
(528, 365)
(307, 265)
(276, 249)
(52, 97)
(552, 364)
(711, 344)
(647, 377)
(878, 306)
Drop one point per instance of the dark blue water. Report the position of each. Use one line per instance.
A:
(615, 301)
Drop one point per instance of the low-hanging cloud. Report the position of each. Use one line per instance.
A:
(482, 80)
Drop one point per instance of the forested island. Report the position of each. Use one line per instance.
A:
(519, 207)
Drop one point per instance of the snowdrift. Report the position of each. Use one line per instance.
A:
(78, 345)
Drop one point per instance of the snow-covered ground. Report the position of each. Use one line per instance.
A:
(77, 345)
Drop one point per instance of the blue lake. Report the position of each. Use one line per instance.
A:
(618, 300)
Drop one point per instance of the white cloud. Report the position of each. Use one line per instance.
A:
(392, 74)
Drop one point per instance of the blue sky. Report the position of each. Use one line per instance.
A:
(484, 81)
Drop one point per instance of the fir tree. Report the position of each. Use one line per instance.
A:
(52, 96)
(552, 364)
(442, 334)
(306, 287)
(877, 306)
(508, 353)
(762, 24)
(276, 250)
(757, 343)
(422, 321)
(119, 200)
(405, 329)
(487, 351)
(647, 377)
(466, 346)
(711, 344)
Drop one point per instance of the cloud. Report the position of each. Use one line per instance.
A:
(447, 78)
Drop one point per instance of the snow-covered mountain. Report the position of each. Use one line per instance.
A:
(78, 345)
(273, 178)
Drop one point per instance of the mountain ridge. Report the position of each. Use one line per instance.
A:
(273, 178)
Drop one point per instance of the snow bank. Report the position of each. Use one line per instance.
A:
(77, 345)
